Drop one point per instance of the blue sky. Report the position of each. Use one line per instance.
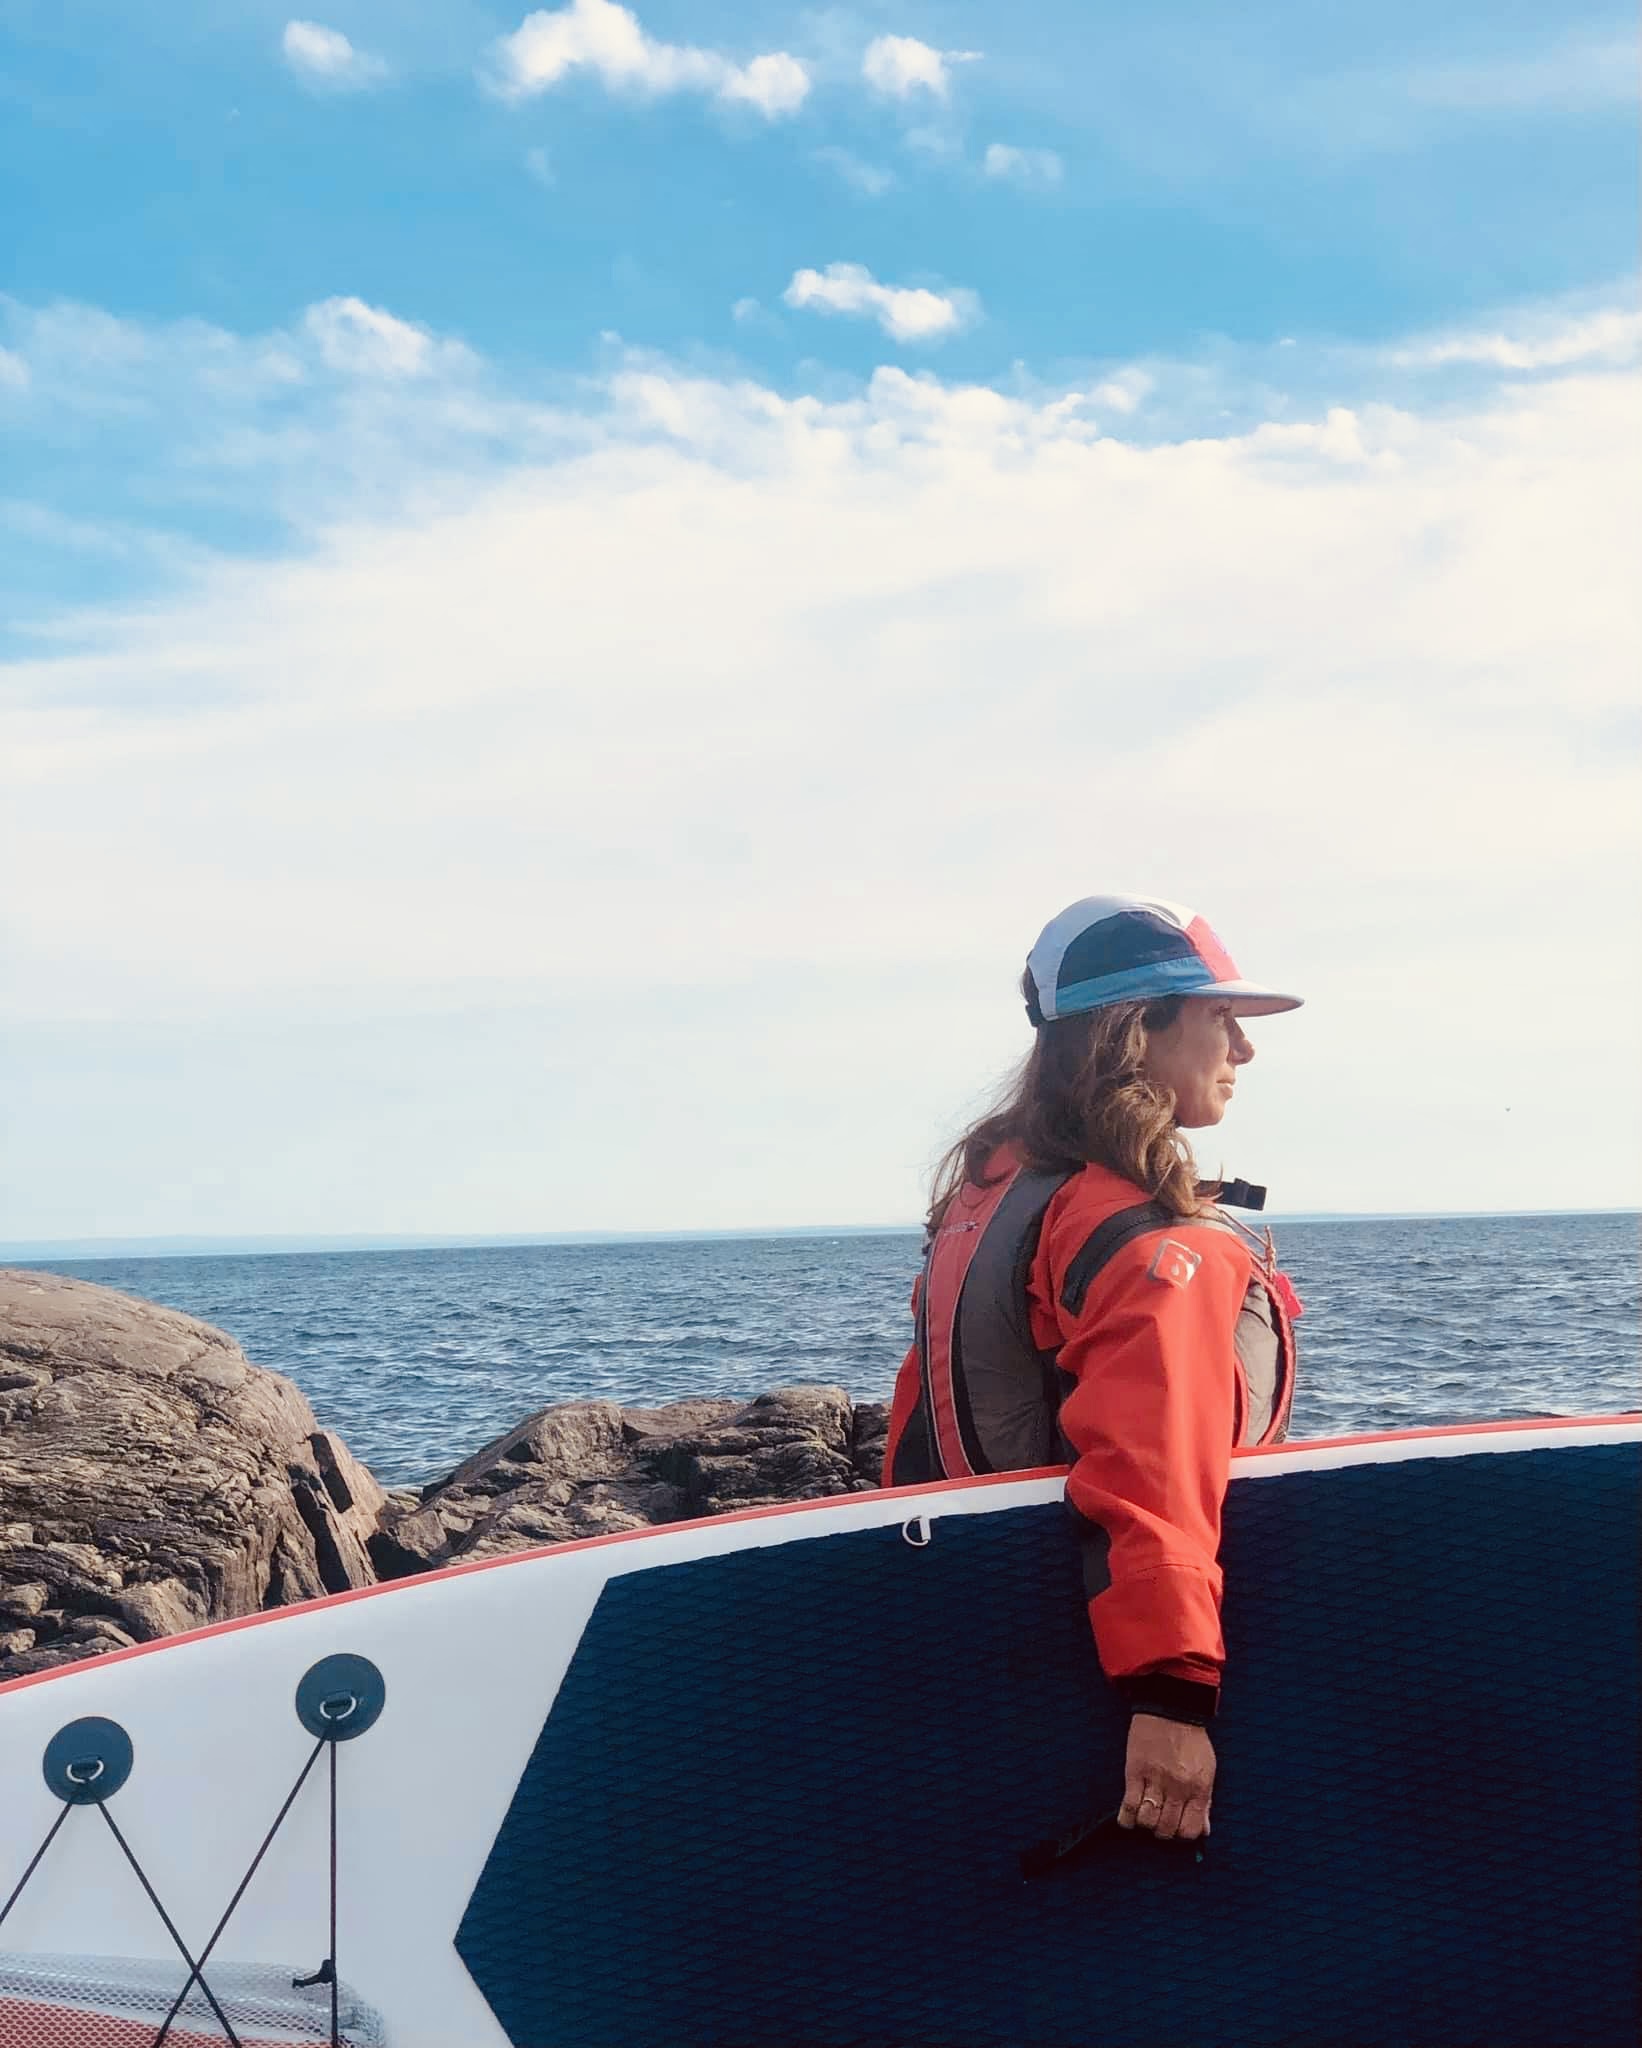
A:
(577, 585)
(1092, 185)
(1281, 169)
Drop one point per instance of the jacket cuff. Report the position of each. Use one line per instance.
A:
(1172, 1699)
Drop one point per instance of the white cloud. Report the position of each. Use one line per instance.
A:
(1024, 166)
(905, 312)
(870, 179)
(776, 84)
(1555, 343)
(608, 41)
(1123, 393)
(364, 341)
(900, 66)
(324, 56)
(540, 166)
(13, 370)
(664, 675)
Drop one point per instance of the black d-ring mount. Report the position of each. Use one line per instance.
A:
(88, 1761)
(340, 1697)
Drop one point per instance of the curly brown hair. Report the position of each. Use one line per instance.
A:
(1082, 1097)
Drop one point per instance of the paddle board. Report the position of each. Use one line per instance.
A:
(769, 1778)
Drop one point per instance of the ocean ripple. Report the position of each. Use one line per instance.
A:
(419, 1357)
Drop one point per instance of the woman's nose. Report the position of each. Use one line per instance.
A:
(1242, 1047)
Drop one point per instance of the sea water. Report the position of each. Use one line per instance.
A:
(417, 1358)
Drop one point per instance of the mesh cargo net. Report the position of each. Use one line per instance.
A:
(122, 2002)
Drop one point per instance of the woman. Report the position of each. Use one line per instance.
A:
(1085, 1299)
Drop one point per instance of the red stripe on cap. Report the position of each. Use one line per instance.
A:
(1210, 951)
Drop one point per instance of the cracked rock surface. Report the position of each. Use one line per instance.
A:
(152, 1478)
(590, 1468)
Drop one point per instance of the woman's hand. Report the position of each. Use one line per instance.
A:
(1168, 1778)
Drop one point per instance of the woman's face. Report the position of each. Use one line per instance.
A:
(1197, 1058)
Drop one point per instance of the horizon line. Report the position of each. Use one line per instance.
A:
(95, 1250)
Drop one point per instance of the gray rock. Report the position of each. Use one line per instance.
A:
(23, 1662)
(152, 1478)
(869, 1438)
(96, 1633)
(23, 1597)
(530, 1515)
(581, 1437)
(589, 1468)
(677, 1418)
(411, 1541)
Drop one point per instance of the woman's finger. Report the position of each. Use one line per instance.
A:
(1168, 1825)
(1194, 1821)
(1135, 1789)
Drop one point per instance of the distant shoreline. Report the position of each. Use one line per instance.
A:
(92, 1251)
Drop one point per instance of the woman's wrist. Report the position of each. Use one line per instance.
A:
(1171, 1699)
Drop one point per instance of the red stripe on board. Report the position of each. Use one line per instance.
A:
(1298, 1447)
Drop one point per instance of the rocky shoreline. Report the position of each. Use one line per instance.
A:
(153, 1479)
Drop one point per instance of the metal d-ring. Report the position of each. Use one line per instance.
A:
(920, 1525)
(340, 1697)
(87, 1761)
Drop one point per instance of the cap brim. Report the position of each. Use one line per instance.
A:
(1250, 1000)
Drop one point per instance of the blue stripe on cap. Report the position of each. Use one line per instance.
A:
(1178, 977)
(1130, 938)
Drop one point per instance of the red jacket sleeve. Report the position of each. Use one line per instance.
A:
(1151, 1419)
